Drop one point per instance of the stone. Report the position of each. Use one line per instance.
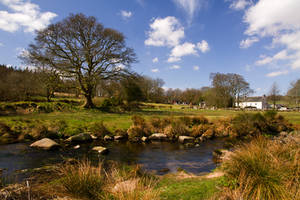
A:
(108, 138)
(158, 136)
(45, 143)
(101, 150)
(119, 137)
(185, 139)
(94, 137)
(144, 139)
(76, 147)
(80, 138)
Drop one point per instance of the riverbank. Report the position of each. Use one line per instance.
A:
(265, 164)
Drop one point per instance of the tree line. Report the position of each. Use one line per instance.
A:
(79, 55)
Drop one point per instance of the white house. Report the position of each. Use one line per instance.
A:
(253, 102)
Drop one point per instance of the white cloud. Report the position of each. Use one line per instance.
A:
(282, 55)
(141, 2)
(280, 21)
(168, 32)
(190, 6)
(1, 44)
(23, 14)
(155, 60)
(173, 59)
(196, 68)
(182, 50)
(155, 70)
(165, 32)
(239, 4)
(277, 73)
(244, 44)
(175, 67)
(126, 14)
(203, 46)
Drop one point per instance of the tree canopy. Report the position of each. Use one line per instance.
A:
(80, 47)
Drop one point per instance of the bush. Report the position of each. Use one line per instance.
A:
(176, 128)
(199, 130)
(138, 131)
(248, 124)
(197, 120)
(264, 169)
(83, 180)
(98, 129)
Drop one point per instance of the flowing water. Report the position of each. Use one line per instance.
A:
(157, 157)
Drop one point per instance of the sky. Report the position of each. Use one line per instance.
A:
(179, 41)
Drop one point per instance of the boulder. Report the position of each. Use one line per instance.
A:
(101, 150)
(144, 139)
(45, 143)
(76, 147)
(185, 139)
(119, 137)
(80, 138)
(108, 138)
(94, 137)
(158, 136)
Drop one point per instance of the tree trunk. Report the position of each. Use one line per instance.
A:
(89, 101)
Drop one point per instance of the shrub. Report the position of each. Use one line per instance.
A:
(138, 131)
(264, 169)
(186, 120)
(156, 124)
(176, 128)
(121, 132)
(83, 180)
(247, 124)
(197, 131)
(197, 120)
(98, 129)
(138, 120)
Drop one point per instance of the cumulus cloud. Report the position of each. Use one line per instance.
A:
(244, 44)
(280, 21)
(196, 68)
(277, 73)
(165, 32)
(203, 46)
(155, 70)
(23, 14)
(239, 4)
(126, 14)
(155, 60)
(169, 32)
(175, 67)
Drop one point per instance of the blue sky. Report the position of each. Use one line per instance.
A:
(180, 41)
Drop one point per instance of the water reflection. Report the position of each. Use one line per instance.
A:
(153, 157)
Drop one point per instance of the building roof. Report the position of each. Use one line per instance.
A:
(253, 99)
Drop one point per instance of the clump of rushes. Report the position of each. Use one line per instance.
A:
(199, 130)
(98, 129)
(139, 128)
(263, 169)
(83, 180)
(176, 128)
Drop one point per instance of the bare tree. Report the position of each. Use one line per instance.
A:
(274, 94)
(79, 47)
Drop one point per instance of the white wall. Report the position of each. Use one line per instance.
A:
(258, 105)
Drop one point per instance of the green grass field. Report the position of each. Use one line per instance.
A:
(113, 121)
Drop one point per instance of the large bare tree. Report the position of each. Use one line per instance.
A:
(274, 94)
(80, 47)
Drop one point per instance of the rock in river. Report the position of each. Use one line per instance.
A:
(80, 138)
(184, 139)
(101, 150)
(158, 136)
(45, 143)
